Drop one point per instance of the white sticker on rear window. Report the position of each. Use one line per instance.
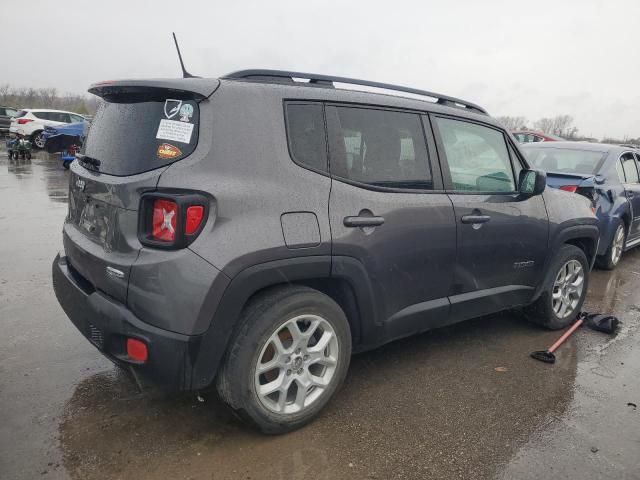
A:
(175, 131)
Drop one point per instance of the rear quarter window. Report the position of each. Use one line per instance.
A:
(306, 135)
(137, 135)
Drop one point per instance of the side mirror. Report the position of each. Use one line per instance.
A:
(532, 182)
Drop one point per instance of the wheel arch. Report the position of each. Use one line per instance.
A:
(313, 272)
(585, 237)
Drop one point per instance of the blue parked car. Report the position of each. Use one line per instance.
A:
(66, 139)
(609, 176)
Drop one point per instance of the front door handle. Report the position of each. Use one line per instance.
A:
(475, 218)
(362, 221)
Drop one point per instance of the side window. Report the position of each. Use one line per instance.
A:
(378, 147)
(76, 118)
(2, 111)
(306, 136)
(477, 156)
(517, 164)
(41, 115)
(620, 171)
(630, 169)
(59, 117)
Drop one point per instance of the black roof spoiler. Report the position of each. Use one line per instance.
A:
(327, 81)
(200, 88)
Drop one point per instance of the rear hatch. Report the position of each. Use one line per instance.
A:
(139, 130)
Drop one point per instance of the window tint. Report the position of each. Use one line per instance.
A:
(133, 133)
(378, 147)
(629, 167)
(59, 117)
(477, 156)
(20, 114)
(305, 129)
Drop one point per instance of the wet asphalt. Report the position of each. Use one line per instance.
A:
(461, 402)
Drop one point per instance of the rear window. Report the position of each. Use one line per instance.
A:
(20, 114)
(136, 135)
(563, 160)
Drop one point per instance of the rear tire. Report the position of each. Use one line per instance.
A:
(273, 349)
(564, 291)
(611, 258)
(37, 138)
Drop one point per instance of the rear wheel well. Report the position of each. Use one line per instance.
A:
(587, 245)
(337, 289)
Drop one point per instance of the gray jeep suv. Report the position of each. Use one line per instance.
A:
(253, 231)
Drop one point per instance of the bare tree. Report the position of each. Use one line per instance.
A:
(560, 125)
(513, 123)
(47, 98)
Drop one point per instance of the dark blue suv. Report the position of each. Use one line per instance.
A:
(608, 175)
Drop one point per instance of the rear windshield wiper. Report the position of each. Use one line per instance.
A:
(85, 160)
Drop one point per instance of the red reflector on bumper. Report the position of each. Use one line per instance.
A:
(569, 188)
(137, 350)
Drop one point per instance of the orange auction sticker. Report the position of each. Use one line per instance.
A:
(167, 151)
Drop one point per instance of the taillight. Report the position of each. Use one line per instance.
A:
(165, 218)
(22, 121)
(195, 214)
(171, 220)
(569, 188)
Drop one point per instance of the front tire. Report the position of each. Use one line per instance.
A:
(611, 258)
(564, 291)
(288, 358)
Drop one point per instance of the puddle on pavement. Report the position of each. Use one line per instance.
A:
(431, 406)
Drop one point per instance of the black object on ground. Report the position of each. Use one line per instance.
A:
(595, 321)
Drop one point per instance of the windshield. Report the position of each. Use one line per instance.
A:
(562, 160)
(143, 134)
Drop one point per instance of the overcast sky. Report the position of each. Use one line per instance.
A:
(535, 59)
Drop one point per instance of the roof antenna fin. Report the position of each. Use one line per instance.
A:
(185, 74)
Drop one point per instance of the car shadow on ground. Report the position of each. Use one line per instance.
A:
(452, 402)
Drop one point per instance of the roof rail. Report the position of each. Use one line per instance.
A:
(283, 76)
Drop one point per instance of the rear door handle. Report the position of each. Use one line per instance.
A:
(629, 194)
(362, 221)
(475, 218)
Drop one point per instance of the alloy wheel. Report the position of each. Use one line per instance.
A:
(567, 288)
(296, 364)
(618, 245)
(39, 140)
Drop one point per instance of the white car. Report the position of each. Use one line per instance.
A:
(32, 121)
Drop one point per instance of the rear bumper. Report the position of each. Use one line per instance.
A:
(107, 323)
